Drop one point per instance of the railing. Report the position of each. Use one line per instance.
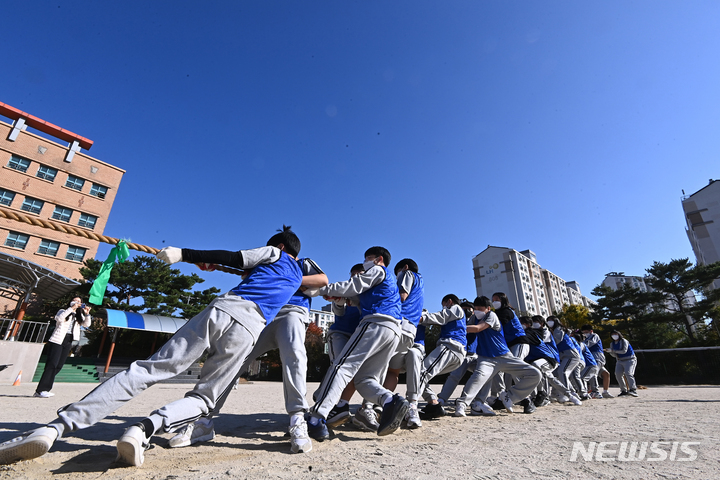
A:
(22, 331)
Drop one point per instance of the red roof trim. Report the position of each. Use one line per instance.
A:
(43, 126)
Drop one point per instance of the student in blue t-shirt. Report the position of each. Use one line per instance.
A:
(368, 352)
(625, 365)
(448, 354)
(227, 329)
(495, 357)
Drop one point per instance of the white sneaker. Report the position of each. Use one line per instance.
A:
(480, 408)
(575, 399)
(506, 401)
(200, 431)
(412, 417)
(563, 399)
(299, 439)
(131, 446)
(607, 394)
(43, 394)
(459, 409)
(27, 446)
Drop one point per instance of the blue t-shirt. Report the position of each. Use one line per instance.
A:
(616, 346)
(383, 298)
(308, 267)
(347, 322)
(270, 285)
(491, 342)
(412, 307)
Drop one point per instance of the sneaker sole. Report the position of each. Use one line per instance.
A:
(25, 450)
(192, 441)
(362, 426)
(301, 448)
(397, 420)
(129, 452)
(338, 420)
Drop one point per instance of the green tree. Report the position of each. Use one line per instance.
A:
(148, 285)
(574, 316)
(672, 295)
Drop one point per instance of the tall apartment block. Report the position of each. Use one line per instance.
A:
(529, 287)
(702, 214)
(52, 180)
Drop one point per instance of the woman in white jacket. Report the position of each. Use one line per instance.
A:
(67, 330)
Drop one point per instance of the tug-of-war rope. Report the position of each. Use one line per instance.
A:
(70, 230)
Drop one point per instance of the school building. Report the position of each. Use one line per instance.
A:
(702, 215)
(529, 287)
(46, 174)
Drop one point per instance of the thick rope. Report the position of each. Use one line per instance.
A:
(80, 232)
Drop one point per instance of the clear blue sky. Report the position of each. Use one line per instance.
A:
(431, 128)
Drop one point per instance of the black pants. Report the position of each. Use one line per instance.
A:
(57, 354)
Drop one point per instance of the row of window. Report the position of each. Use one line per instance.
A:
(48, 173)
(47, 247)
(33, 205)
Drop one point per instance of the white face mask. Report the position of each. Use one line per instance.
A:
(616, 337)
(536, 325)
(587, 335)
(479, 315)
(368, 264)
(551, 323)
(497, 305)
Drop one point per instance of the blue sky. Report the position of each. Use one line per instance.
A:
(431, 128)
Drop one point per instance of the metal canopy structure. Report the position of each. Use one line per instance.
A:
(19, 278)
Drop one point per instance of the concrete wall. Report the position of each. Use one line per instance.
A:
(23, 356)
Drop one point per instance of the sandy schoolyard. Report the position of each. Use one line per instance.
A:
(677, 428)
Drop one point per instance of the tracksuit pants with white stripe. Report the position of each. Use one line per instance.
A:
(409, 358)
(446, 357)
(226, 339)
(365, 358)
(519, 350)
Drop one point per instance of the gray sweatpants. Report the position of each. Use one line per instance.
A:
(549, 380)
(589, 376)
(365, 358)
(444, 359)
(228, 343)
(519, 350)
(526, 377)
(410, 360)
(568, 362)
(454, 379)
(287, 334)
(626, 366)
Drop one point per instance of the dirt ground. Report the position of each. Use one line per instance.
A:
(250, 440)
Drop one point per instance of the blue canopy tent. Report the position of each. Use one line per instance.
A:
(118, 319)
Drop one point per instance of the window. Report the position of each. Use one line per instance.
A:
(46, 173)
(32, 205)
(87, 220)
(76, 183)
(18, 163)
(61, 213)
(6, 197)
(48, 247)
(75, 254)
(98, 191)
(17, 240)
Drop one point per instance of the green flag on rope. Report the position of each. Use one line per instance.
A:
(97, 292)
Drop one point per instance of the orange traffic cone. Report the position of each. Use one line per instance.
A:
(17, 380)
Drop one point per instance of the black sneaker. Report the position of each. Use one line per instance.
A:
(633, 393)
(540, 398)
(623, 394)
(393, 413)
(431, 412)
(338, 416)
(498, 405)
(528, 406)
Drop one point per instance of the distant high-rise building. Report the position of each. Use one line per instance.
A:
(529, 287)
(702, 215)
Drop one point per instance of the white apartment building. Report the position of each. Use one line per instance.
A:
(529, 287)
(616, 280)
(702, 215)
(322, 318)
